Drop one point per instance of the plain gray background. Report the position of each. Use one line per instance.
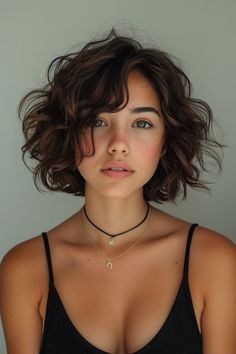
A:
(200, 33)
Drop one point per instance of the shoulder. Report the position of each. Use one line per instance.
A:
(207, 239)
(217, 258)
(217, 268)
(210, 250)
(21, 275)
(214, 247)
(24, 265)
(23, 253)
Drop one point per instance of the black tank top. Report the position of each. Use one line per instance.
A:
(178, 335)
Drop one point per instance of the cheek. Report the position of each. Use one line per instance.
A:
(151, 152)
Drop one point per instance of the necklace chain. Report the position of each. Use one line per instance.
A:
(109, 263)
(111, 241)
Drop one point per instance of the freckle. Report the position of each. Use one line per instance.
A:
(176, 262)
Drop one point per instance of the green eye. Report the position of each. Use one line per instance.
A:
(143, 125)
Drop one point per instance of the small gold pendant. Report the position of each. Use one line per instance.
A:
(111, 241)
(109, 264)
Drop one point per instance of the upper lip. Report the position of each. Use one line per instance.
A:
(116, 164)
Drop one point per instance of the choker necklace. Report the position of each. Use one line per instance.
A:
(109, 259)
(111, 240)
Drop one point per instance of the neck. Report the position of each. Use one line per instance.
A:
(114, 216)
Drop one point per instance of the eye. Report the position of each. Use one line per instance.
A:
(95, 122)
(143, 125)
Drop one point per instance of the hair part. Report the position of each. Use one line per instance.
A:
(94, 80)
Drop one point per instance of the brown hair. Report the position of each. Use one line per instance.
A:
(94, 80)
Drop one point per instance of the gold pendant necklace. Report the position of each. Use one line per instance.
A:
(109, 260)
(109, 264)
(111, 241)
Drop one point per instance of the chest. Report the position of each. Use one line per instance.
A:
(122, 309)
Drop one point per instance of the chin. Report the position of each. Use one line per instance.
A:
(115, 191)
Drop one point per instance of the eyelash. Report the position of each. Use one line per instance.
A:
(141, 120)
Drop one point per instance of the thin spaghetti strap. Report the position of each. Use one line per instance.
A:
(49, 261)
(188, 244)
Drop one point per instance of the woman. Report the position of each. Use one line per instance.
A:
(117, 125)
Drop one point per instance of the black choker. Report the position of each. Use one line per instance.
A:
(111, 240)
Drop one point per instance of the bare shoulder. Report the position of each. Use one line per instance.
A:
(217, 257)
(209, 240)
(21, 277)
(212, 251)
(217, 265)
(214, 246)
(23, 253)
(25, 264)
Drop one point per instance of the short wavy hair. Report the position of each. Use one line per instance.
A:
(94, 80)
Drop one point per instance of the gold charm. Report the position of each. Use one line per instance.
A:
(109, 264)
(111, 241)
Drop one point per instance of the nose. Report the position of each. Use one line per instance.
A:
(118, 143)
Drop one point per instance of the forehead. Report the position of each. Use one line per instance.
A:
(141, 91)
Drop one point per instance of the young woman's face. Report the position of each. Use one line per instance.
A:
(133, 136)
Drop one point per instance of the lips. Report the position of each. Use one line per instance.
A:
(116, 164)
(117, 174)
(115, 170)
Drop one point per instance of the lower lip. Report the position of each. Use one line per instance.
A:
(117, 174)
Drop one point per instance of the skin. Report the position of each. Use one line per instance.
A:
(131, 302)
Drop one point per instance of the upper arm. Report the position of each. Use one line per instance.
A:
(18, 304)
(219, 315)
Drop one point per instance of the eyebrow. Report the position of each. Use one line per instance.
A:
(144, 110)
